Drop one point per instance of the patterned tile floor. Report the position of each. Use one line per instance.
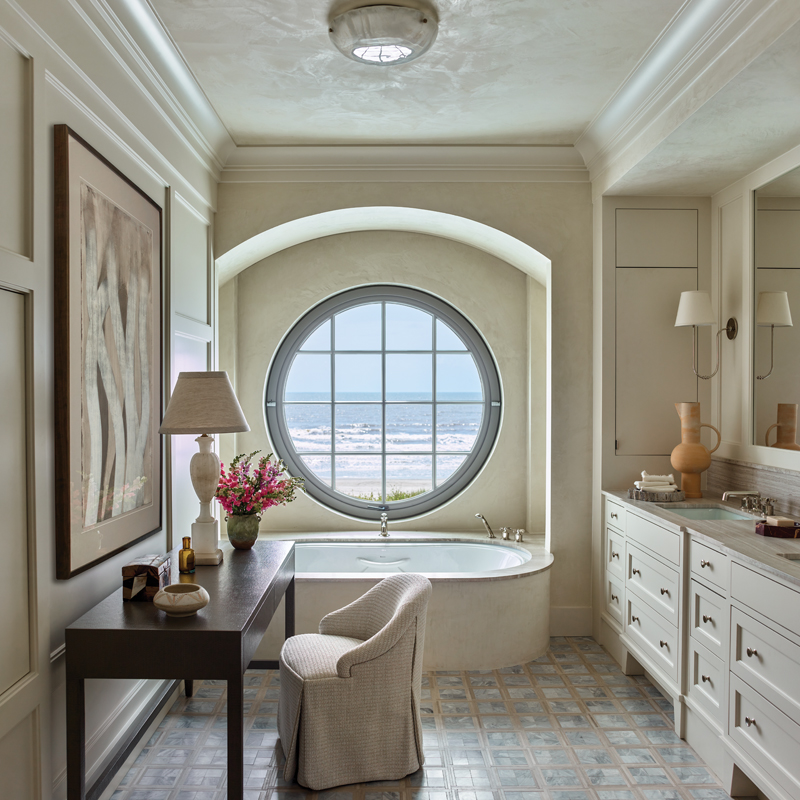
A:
(568, 726)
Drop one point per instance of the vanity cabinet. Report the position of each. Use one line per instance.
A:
(719, 631)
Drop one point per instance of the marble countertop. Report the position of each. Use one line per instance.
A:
(734, 537)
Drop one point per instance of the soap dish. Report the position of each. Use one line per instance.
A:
(660, 497)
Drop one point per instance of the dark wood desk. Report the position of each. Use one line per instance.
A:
(118, 639)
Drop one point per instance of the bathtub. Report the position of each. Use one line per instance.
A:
(490, 605)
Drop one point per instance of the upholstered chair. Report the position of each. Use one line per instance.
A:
(349, 698)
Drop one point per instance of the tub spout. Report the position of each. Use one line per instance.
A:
(485, 525)
(384, 524)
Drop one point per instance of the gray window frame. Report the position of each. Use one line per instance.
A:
(475, 460)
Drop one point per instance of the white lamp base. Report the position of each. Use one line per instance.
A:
(205, 542)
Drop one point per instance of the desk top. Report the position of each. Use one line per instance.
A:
(238, 589)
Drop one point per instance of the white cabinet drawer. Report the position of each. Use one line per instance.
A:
(656, 638)
(768, 661)
(615, 553)
(708, 618)
(707, 681)
(765, 596)
(661, 541)
(654, 582)
(766, 734)
(709, 564)
(615, 515)
(615, 598)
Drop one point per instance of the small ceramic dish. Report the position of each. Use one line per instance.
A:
(181, 599)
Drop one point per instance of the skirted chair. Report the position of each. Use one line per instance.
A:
(349, 697)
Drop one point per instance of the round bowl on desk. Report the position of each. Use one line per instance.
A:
(181, 599)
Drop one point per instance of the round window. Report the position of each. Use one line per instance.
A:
(383, 398)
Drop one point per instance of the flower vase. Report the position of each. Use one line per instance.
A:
(691, 458)
(787, 428)
(243, 530)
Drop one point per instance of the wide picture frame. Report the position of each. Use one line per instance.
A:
(107, 355)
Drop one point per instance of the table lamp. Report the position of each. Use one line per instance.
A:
(204, 403)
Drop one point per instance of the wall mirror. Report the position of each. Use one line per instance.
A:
(776, 309)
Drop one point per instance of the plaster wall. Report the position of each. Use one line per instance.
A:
(555, 219)
(48, 51)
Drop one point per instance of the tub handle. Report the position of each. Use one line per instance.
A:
(382, 563)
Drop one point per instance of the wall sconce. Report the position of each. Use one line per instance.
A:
(773, 312)
(695, 309)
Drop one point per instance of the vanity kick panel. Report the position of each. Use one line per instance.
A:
(655, 583)
(772, 739)
(767, 661)
(661, 541)
(709, 619)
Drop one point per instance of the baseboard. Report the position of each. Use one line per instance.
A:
(570, 620)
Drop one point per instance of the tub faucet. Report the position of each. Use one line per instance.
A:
(485, 525)
(384, 524)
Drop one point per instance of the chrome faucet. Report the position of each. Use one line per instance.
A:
(748, 497)
(384, 524)
(518, 533)
(485, 525)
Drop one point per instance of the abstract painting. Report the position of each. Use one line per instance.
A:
(107, 358)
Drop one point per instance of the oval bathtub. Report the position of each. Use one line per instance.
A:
(490, 605)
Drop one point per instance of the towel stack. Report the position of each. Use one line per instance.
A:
(656, 483)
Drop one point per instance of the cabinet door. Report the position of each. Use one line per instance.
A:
(654, 369)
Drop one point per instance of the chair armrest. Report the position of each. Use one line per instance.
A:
(383, 641)
(353, 620)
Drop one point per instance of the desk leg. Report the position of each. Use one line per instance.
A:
(289, 595)
(76, 739)
(236, 737)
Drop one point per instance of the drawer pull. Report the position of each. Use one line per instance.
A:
(706, 618)
(614, 555)
(615, 597)
(635, 571)
(750, 721)
(706, 678)
(704, 563)
(751, 651)
(634, 619)
(663, 643)
(614, 515)
(665, 591)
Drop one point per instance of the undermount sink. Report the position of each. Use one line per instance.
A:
(706, 512)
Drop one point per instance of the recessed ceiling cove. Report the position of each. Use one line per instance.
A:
(499, 72)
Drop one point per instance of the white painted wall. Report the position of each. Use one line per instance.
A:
(59, 66)
(552, 218)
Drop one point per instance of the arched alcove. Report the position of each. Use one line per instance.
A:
(465, 231)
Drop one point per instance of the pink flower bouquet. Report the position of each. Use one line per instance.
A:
(249, 489)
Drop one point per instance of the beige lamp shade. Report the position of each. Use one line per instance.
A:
(203, 402)
(694, 309)
(773, 309)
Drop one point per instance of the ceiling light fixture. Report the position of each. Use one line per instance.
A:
(384, 35)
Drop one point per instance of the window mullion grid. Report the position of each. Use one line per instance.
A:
(383, 403)
(434, 481)
(333, 403)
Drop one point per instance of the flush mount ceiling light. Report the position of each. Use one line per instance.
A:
(383, 35)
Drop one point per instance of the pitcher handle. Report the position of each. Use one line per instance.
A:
(719, 436)
(766, 435)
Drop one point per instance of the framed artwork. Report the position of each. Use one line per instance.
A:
(107, 358)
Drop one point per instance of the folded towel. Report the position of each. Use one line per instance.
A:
(657, 478)
(655, 487)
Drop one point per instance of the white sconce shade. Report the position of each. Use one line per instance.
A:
(773, 309)
(694, 309)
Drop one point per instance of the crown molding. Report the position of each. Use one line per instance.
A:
(410, 164)
(706, 44)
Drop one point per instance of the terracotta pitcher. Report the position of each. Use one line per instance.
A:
(691, 458)
(787, 428)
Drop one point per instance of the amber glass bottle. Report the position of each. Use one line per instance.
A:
(186, 556)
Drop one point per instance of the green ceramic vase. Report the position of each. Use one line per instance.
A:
(243, 530)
